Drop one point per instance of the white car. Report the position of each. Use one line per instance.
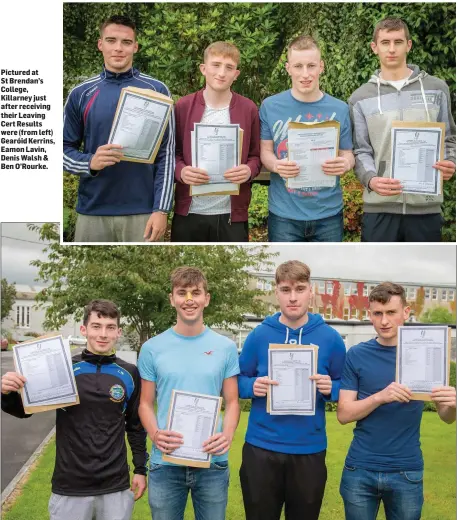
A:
(77, 340)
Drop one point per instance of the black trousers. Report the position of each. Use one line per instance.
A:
(390, 227)
(270, 479)
(208, 228)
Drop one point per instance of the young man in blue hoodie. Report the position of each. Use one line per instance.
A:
(284, 456)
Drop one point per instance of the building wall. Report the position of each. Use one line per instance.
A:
(348, 299)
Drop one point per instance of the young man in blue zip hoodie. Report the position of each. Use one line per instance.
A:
(117, 201)
(284, 456)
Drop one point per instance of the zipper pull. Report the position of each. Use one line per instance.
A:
(230, 220)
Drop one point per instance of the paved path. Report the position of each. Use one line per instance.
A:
(20, 437)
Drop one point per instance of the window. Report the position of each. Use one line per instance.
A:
(365, 289)
(434, 294)
(354, 289)
(260, 284)
(411, 293)
(321, 311)
(443, 295)
(268, 286)
(451, 295)
(347, 288)
(328, 313)
(23, 316)
(321, 288)
(329, 287)
(365, 314)
(346, 313)
(427, 293)
(354, 313)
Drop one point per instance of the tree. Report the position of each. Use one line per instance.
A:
(438, 315)
(137, 279)
(8, 293)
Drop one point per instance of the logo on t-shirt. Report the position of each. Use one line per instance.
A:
(209, 352)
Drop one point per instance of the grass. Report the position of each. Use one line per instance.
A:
(438, 445)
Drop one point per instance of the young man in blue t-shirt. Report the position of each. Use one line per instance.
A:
(384, 461)
(307, 214)
(283, 460)
(193, 358)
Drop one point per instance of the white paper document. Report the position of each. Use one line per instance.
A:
(296, 393)
(195, 417)
(423, 358)
(138, 125)
(414, 152)
(310, 147)
(46, 364)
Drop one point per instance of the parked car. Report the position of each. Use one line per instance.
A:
(77, 340)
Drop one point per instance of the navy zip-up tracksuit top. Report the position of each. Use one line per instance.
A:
(126, 188)
(91, 455)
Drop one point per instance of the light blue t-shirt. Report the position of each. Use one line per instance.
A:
(275, 113)
(190, 363)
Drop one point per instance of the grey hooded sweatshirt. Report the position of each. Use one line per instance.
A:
(373, 107)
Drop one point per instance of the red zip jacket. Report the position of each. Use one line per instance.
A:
(189, 110)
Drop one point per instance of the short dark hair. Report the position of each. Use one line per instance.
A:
(103, 309)
(118, 20)
(383, 293)
(391, 24)
(292, 271)
(188, 277)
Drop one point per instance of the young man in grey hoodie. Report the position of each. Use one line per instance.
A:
(398, 91)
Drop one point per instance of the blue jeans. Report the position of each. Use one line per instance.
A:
(288, 230)
(169, 487)
(401, 493)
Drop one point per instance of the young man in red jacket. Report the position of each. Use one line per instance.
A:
(215, 218)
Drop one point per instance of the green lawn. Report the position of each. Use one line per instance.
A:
(438, 445)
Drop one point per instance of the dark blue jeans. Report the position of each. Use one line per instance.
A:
(401, 493)
(287, 230)
(170, 485)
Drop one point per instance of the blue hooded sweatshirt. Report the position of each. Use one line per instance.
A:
(289, 433)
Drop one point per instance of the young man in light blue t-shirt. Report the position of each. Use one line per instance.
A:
(384, 462)
(307, 214)
(193, 358)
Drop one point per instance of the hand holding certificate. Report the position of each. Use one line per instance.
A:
(139, 124)
(423, 359)
(310, 145)
(195, 417)
(46, 365)
(416, 147)
(292, 368)
(216, 149)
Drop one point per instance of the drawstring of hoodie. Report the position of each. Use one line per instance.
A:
(422, 91)
(425, 100)
(299, 335)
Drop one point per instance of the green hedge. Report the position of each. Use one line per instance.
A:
(172, 38)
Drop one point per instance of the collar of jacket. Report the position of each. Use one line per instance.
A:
(97, 359)
(201, 98)
(107, 74)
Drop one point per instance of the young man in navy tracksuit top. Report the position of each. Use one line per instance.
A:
(284, 456)
(117, 201)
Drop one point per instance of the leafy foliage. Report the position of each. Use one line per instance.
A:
(438, 315)
(137, 279)
(8, 294)
(173, 37)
